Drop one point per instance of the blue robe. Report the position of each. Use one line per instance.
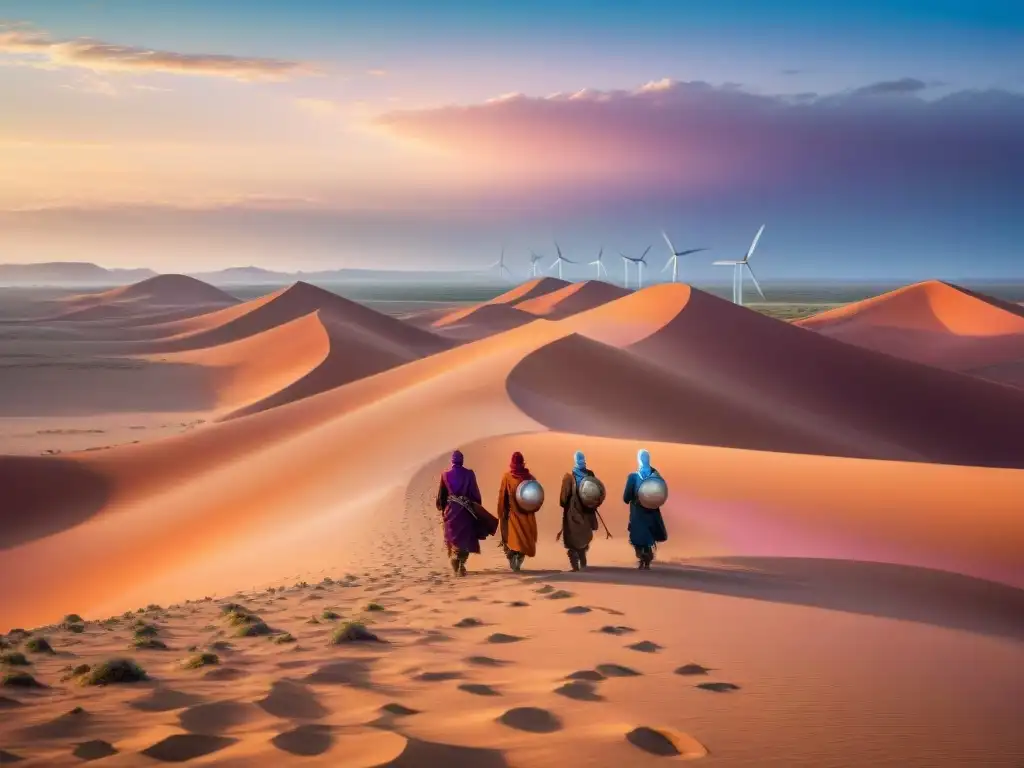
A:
(646, 526)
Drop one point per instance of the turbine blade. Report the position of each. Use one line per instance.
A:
(753, 245)
(554, 264)
(691, 250)
(558, 249)
(642, 255)
(754, 278)
(671, 248)
(725, 263)
(669, 262)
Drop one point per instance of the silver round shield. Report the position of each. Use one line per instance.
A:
(530, 496)
(652, 493)
(591, 492)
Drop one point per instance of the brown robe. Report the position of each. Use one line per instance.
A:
(518, 528)
(578, 522)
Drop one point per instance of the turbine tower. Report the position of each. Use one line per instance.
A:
(534, 258)
(559, 261)
(674, 258)
(599, 263)
(503, 271)
(737, 271)
(640, 264)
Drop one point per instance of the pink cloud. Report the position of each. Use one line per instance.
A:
(692, 134)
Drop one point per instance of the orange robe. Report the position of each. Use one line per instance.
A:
(518, 528)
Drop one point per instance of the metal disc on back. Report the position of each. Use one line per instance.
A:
(592, 492)
(530, 496)
(652, 493)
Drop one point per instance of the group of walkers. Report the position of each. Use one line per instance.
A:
(466, 522)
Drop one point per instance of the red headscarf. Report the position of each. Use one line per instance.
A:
(518, 467)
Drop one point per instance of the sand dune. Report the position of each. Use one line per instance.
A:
(162, 290)
(937, 324)
(780, 562)
(573, 298)
(720, 375)
(531, 289)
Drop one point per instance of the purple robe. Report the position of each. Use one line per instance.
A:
(460, 530)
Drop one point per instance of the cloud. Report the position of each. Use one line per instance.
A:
(32, 47)
(377, 72)
(695, 136)
(904, 85)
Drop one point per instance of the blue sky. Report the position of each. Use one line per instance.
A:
(358, 132)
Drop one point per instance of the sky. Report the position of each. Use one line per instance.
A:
(872, 139)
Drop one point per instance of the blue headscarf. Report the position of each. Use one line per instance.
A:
(580, 464)
(643, 460)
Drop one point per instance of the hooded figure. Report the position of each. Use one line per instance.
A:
(456, 490)
(646, 526)
(518, 527)
(578, 521)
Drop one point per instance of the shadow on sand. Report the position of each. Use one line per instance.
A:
(908, 593)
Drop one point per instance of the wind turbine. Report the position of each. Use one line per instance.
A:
(503, 271)
(737, 271)
(558, 262)
(534, 258)
(599, 263)
(674, 258)
(640, 264)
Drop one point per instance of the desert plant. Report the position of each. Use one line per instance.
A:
(327, 581)
(77, 628)
(14, 659)
(375, 607)
(253, 629)
(19, 680)
(220, 645)
(115, 671)
(73, 618)
(284, 638)
(148, 643)
(352, 632)
(72, 672)
(329, 615)
(201, 660)
(38, 645)
(142, 629)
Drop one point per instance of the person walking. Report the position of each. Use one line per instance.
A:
(518, 526)
(646, 526)
(456, 494)
(578, 521)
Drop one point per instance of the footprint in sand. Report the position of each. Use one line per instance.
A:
(692, 669)
(664, 742)
(616, 670)
(354, 673)
(645, 646)
(588, 675)
(616, 630)
(486, 661)
(531, 719)
(577, 610)
(217, 717)
(7, 758)
(468, 622)
(437, 677)
(164, 700)
(579, 690)
(292, 701)
(225, 673)
(518, 604)
(610, 611)
(478, 689)
(6, 703)
(96, 749)
(398, 710)
(501, 637)
(186, 746)
(306, 740)
(718, 687)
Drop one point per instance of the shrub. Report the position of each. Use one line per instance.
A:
(38, 645)
(142, 629)
(352, 632)
(201, 660)
(73, 618)
(375, 607)
(115, 671)
(149, 643)
(72, 672)
(284, 638)
(73, 627)
(220, 645)
(19, 680)
(329, 615)
(14, 659)
(253, 629)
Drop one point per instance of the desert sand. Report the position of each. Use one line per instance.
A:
(843, 584)
(938, 324)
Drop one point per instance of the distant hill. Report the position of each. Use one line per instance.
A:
(69, 273)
